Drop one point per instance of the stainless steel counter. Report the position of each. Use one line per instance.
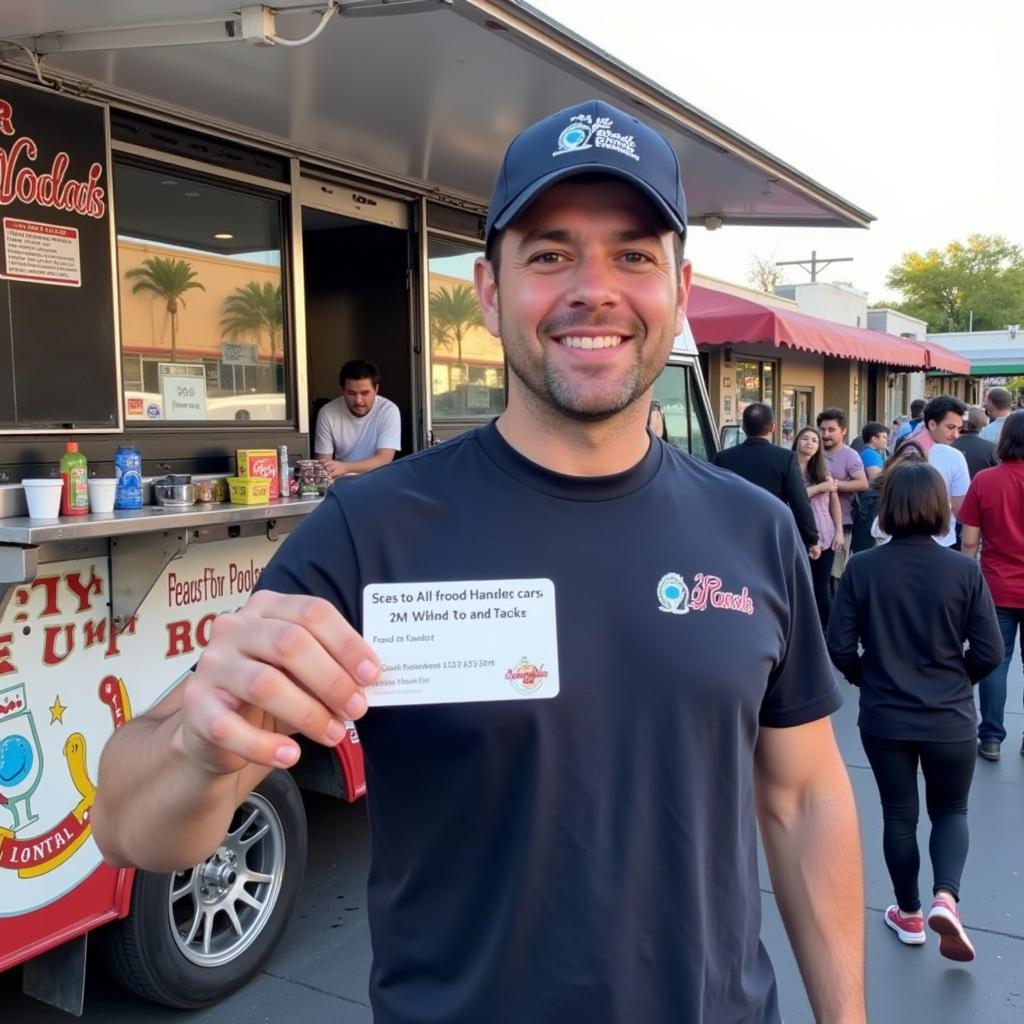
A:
(149, 519)
(140, 543)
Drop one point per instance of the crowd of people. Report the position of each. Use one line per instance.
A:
(913, 620)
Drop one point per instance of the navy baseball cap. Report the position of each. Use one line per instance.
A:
(590, 137)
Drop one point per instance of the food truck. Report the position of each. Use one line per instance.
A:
(203, 217)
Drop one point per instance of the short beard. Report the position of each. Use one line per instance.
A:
(551, 391)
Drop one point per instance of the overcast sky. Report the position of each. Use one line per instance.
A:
(911, 109)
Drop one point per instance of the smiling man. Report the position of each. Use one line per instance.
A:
(590, 856)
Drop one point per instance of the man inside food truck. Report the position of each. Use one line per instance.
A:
(360, 429)
(573, 836)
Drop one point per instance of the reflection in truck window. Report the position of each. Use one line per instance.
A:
(200, 298)
(467, 364)
(686, 423)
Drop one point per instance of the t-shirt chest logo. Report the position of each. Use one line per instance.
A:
(677, 598)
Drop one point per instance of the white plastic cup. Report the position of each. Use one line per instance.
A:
(101, 495)
(43, 498)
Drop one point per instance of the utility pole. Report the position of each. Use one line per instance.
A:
(813, 265)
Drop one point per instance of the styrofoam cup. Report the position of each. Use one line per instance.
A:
(43, 498)
(101, 495)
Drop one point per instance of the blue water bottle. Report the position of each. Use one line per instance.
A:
(128, 470)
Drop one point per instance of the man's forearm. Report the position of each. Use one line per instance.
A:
(853, 486)
(815, 864)
(154, 809)
(365, 465)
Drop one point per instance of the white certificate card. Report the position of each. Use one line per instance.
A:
(463, 640)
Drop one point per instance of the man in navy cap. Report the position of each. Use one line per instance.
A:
(590, 856)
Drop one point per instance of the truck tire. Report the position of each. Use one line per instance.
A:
(194, 936)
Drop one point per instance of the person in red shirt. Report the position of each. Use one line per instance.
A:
(992, 510)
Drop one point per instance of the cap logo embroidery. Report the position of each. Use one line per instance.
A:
(586, 132)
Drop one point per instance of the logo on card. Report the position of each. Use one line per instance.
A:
(526, 677)
(676, 598)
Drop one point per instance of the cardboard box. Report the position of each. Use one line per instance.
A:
(248, 490)
(259, 463)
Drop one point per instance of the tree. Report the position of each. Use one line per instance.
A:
(979, 283)
(764, 274)
(170, 279)
(454, 312)
(253, 309)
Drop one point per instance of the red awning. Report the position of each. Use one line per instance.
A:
(940, 358)
(719, 318)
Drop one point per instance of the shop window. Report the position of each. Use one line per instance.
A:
(467, 364)
(797, 412)
(755, 382)
(201, 298)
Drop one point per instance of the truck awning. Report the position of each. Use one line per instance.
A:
(719, 318)
(427, 100)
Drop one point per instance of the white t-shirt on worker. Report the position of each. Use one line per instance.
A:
(951, 463)
(349, 438)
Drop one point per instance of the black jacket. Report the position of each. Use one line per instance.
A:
(777, 470)
(911, 604)
(979, 453)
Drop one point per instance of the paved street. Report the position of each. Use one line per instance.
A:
(319, 973)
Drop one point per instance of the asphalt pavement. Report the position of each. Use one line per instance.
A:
(319, 973)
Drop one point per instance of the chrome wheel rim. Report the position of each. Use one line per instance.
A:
(218, 908)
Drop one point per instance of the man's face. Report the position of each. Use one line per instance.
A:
(946, 430)
(359, 395)
(589, 299)
(880, 441)
(831, 434)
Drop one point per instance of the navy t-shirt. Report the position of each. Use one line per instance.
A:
(591, 857)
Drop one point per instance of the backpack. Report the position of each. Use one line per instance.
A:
(865, 508)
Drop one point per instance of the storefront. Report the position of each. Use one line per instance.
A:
(756, 351)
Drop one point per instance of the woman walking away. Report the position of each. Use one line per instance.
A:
(828, 514)
(992, 511)
(912, 603)
(866, 531)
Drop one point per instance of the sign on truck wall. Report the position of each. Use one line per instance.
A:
(56, 283)
(67, 682)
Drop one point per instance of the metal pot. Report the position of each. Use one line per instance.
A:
(175, 491)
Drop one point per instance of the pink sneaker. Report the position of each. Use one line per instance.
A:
(909, 929)
(944, 918)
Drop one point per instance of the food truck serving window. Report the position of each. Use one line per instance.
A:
(203, 325)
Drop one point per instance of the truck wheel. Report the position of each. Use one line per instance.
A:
(194, 936)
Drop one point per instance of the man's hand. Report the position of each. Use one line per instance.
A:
(814, 552)
(839, 540)
(336, 468)
(283, 664)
